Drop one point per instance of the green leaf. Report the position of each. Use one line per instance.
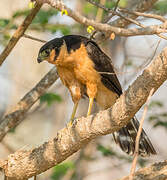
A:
(89, 9)
(155, 104)
(63, 28)
(43, 16)
(163, 115)
(12, 130)
(50, 98)
(105, 151)
(110, 4)
(123, 3)
(3, 22)
(161, 7)
(60, 170)
(142, 162)
(153, 118)
(161, 123)
(21, 13)
(128, 62)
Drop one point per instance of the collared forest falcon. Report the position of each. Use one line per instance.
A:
(79, 62)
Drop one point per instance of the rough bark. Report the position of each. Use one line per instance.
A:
(157, 171)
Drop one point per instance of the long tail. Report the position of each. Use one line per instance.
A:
(126, 138)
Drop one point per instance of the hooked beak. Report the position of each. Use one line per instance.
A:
(39, 59)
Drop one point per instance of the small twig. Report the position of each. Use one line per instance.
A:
(154, 16)
(115, 8)
(140, 6)
(19, 32)
(150, 30)
(128, 18)
(33, 38)
(114, 12)
(132, 172)
(103, 7)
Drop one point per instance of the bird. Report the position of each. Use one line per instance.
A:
(87, 71)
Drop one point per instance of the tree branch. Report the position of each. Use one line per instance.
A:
(149, 30)
(18, 113)
(157, 171)
(153, 16)
(28, 163)
(19, 32)
(140, 6)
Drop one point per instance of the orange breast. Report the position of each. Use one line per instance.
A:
(82, 73)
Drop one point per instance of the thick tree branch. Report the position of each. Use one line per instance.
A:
(19, 32)
(72, 138)
(18, 113)
(157, 171)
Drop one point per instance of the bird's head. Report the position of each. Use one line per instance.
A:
(52, 50)
(58, 49)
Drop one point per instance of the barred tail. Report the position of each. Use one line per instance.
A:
(126, 137)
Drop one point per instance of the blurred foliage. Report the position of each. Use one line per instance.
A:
(61, 169)
(110, 153)
(91, 10)
(128, 62)
(156, 104)
(50, 98)
(161, 7)
(12, 130)
(40, 23)
(158, 119)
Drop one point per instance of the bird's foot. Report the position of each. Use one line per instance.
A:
(69, 124)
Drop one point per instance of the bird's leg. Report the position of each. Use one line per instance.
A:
(76, 95)
(91, 91)
(73, 113)
(90, 106)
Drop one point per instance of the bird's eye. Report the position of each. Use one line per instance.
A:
(46, 52)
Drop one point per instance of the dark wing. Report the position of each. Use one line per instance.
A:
(126, 136)
(104, 66)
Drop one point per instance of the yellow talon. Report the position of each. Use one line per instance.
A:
(73, 113)
(90, 106)
(90, 29)
(64, 11)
